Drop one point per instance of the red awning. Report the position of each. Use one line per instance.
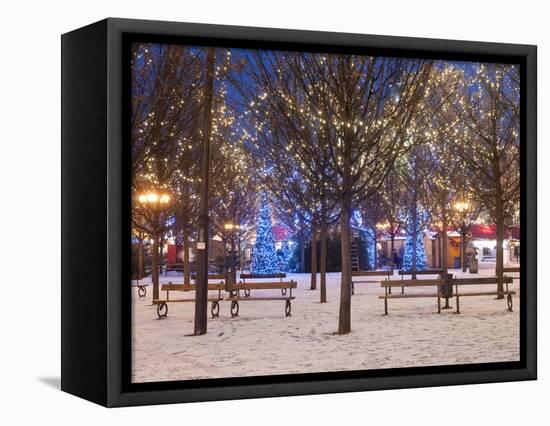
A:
(488, 232)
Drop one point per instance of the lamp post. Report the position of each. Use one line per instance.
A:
(156, 203)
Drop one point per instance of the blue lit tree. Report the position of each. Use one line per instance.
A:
(265, 259)
(368, 237)
(415, 178)
(414, 258)
(285, 256)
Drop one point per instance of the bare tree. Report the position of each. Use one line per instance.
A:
(356, 113)
(391, 202)
(166, 90)
(487, 115)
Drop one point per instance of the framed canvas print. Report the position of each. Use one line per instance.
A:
(255, 212)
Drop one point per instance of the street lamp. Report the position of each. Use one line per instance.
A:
(153, 199)
(382, 226)
(155, 202)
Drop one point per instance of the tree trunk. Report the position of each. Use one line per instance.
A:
(155, 266)
(323, 298)
(186, 262)
(375, 252)
(239, 255)
(463, 248)
(344, 318)
(302, 253)
(201, 293)
(500, 251)
(313, 285)
(140, 259)
(444, 247)
(161, 257)
(415, 236)
(392, 247)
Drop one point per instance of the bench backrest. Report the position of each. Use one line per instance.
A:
(265, 285)
(481, 281)
(370, 273)
(423, 272)
(190, 287)
(263, 276)
(411, 283)
(510, 269)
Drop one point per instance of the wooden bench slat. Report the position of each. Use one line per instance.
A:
(370, 273)
(251, 298)
(189, 287)
(424, 272)
(407, 296)
(481, 281)
(265, 286)
(410, 283)
(157, 301)
(484, 293)
(263, 276)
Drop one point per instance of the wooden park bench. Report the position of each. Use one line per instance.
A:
(235, 294)
(279, 275)
(387, 285)
(162, 304)
(357, 277)
(459, 282)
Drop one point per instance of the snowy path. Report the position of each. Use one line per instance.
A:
(262, 341)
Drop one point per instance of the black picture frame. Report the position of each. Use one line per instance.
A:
(95, 214)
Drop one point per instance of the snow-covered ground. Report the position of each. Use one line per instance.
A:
(261, 341)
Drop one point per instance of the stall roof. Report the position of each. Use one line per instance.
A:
(488, 232)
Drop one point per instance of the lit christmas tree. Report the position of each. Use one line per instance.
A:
(412, 245)
(369, 247)
(265, 260)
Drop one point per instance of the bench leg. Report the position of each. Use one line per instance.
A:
(246, 292)
(288, 308)
(352, 288)
(234, 309)
(457, 305)
(215, 309)
(385, 306)
(162, 310)
(142, 291)
(510, 303)
(438, 304)
(402, 289)
(283, 291)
